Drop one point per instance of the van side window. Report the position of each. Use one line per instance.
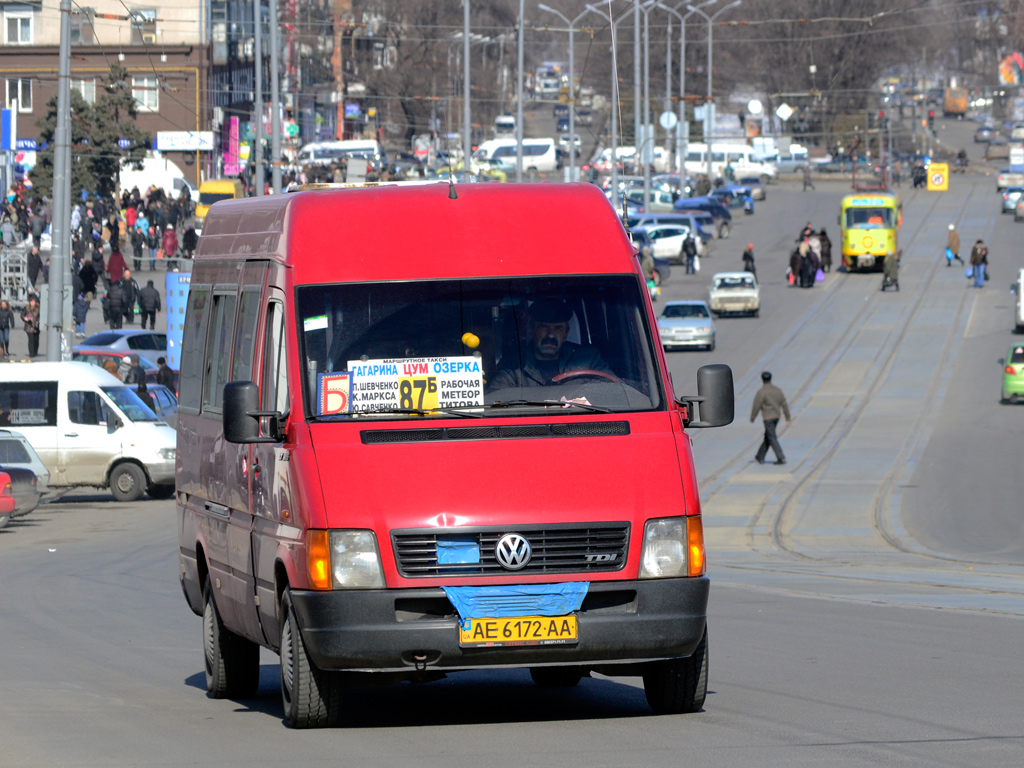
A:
(86, 408)
(29, 403)
(221, 339)
(193, 347)
(275, 379)
(245, 342)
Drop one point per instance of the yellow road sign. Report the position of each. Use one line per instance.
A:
(938, 177)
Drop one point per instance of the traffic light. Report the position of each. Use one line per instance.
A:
(931, 117)
(881, 119)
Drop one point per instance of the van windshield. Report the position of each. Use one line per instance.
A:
(130, 404)
(466, 347)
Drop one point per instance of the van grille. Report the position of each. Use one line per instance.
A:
(595, 548)
(508, 431)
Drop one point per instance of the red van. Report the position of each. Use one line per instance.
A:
(424, 429)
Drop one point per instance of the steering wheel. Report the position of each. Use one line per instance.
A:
(585, 372)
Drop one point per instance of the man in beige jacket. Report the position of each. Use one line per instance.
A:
(770, 403)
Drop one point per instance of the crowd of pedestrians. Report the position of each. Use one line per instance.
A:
(811, 259)
(154, 226)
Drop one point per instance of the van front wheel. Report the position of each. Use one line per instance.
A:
(678, 686)
(312, 697)
(127, 482)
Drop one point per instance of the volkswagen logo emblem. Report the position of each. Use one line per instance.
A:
(512, 552)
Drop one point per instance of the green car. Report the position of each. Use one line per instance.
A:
(1013, 374)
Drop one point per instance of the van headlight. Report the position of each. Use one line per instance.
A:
(167, 454)
(673, 547)
(343, 559)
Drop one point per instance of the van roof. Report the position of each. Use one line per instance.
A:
(80, 372)
(491, 230)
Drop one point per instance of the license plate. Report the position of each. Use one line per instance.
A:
(519, 630)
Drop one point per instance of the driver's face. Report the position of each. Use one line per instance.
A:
(548, 339)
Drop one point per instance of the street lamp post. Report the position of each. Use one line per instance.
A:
(709, 112)
(614, 117)
(682, 133)
(572, 84)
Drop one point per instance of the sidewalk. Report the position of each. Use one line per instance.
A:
(94, 320)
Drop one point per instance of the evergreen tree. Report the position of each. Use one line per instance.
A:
(115, 114)
(81, 129)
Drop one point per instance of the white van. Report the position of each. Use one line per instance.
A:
(89, 429)
(1018, 306)
(539, 155)
(327, 152)
(739, 156)
(159, 172)
(504, 125)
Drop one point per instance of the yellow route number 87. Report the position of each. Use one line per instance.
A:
(418, 392)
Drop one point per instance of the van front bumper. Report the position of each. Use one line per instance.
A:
(161, 472)
(398, 630)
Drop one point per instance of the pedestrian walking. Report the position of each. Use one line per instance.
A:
(891, 271)
(131, 294)
(826, 250)
(771, 404)
(153, 243)
(6, 325)
(10, 235)
(115, 305)
(189, 242)
(78, 313)
(979, 262)
(35, 265)
(149, 304)
(164, 374)
(170, 246)
(808, 182)
(135, 374)
(953, 247)
(138, 240)
(30, 317)
(37, 225)
(748, 259)
(115, 267)
(142, 390)
(689, 253)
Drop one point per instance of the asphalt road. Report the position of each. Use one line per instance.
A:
(866, 598)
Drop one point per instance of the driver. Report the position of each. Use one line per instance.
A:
(546, 353)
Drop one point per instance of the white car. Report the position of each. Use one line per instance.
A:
(1008, 178)
(734, 293)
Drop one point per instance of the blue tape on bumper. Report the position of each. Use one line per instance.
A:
(518, 599)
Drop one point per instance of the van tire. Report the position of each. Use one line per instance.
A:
(232, 662)
(532, 174)
(556, 677)
(311, 697)
(161, 491)
(127, 481)
(678, 686)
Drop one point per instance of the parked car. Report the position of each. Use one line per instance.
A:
(719, 212)
(562, 126)
(666, 241)
(1013, 375)
(165, 403)
(17, 452)
(734, 293)
(700, 223)
(754, 184)
(561, 110)
(24, 488)
(984, 133)
(152, 343)
(1018, 211)
(662, 267)
(686, 324)
(998, 148)
(1007, 178)
(6, 500)
(1011, 195)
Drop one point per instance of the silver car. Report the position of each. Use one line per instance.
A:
(1010, 197)
(152, 344)
(686, 324)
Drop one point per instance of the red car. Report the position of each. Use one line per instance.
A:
(6, 499)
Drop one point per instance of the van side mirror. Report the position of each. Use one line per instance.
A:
(241, 414)
(715, 397)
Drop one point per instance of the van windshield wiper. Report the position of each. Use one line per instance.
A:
(548, 404)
